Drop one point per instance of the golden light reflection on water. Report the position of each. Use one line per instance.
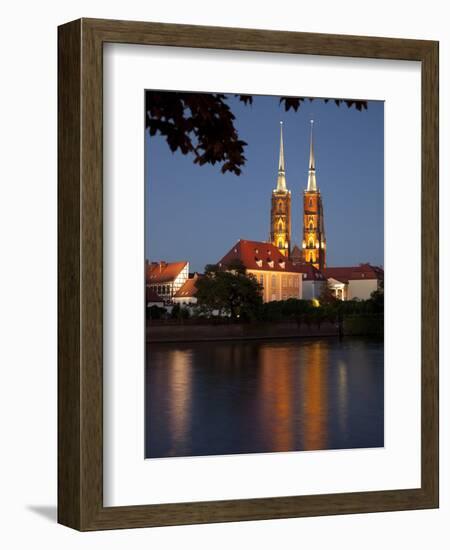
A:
(261, 397)
(180, 398)
(293, 397)
(342, 395)
(314, 396)
(276, 397)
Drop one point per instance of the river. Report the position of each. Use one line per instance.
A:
(262, 396)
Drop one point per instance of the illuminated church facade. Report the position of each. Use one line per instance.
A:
(280, 212)
(314, 243)
(283, 269)
(313, 238)
(310, 257)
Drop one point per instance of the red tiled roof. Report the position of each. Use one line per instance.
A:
(151, 296)
(356, 273)
(312, 273)
(260, 256)
(188, 290)
(163, 272)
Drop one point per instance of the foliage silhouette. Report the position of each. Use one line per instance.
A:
(202, 124)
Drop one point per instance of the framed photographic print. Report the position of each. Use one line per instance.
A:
(248, 274)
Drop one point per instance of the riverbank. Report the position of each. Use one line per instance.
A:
(164, 332)
(189, 331)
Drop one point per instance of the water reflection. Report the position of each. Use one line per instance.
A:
(263, 396)
(314, 396)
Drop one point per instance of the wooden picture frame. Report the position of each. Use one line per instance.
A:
(80, 271)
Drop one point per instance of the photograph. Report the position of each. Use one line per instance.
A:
(264, 274)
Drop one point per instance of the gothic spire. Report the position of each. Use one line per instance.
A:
(312, 186)
(281, 180)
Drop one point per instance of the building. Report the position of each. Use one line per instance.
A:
(277, 275)
(165, 278)
(314, 242)
(186, 294)
(314, 281)
(350, 283)
(152, 299)
(280, 213)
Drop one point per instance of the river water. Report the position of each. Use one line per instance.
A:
(264, 396)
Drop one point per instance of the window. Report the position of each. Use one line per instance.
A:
(274, 280)
(311, 225)
(280, 244)
(311, 243)
(310, 202)
(280, 227)
(290, 281)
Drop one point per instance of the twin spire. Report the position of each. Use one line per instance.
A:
(281, 180)
(312, 185)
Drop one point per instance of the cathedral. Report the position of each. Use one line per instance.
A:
(280, 213)
(283, 270)
(313, 250)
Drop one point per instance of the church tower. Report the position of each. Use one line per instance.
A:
(314, 243)
(280, 214)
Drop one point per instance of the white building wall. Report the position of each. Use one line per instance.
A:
(185, 300)
(274, 292)
(361, 289)
(180, 279)
(311, 289)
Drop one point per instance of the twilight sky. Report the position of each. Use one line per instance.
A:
(196, 213)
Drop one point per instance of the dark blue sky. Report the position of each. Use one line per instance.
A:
(196, 213)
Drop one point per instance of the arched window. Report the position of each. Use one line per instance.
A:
(311, 243)
(280, 244)
(311, 225)
(280, 207)
(310, 202)
(280, 227)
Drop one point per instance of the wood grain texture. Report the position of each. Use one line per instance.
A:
(80, 241)
(69, 248)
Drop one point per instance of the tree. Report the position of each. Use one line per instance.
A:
(155, 312)
(203, 124)
(230, 292)
(179, 312)
(377, 298)
(327, 296)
